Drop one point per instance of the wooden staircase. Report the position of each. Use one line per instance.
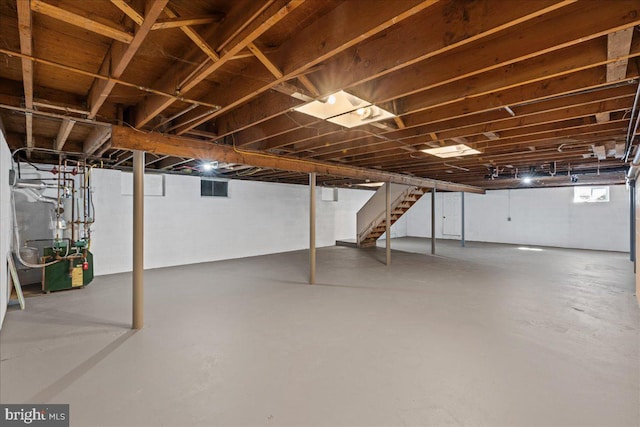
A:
(399, 206)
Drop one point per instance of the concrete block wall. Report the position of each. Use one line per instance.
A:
(535, 216)
(183, 228)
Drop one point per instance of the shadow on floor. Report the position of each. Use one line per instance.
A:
(51, 391)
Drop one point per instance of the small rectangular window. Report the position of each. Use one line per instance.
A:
(588, 194)
(210, 188)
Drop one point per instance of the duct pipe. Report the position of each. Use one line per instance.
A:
(138, 239)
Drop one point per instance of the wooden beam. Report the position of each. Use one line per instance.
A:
(265, 61)
(194, 36)
(119, 57)
(130, 139)
(26, 47)
(270, 16)
(105, 147)
(65, 129)
(129, 11)
(158, 159)
(177, 22)
(98, 136)
(399, 122)
(171, 162)
(81, 21)
(302, 78)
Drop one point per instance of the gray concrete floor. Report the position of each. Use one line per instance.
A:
(488, 335)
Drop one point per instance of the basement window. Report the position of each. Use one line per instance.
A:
(588, 194)
(211, 188)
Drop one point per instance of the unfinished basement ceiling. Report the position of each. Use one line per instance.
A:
(540, 88)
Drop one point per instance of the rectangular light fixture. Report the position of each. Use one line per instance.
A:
(345, 109)
(451, 151)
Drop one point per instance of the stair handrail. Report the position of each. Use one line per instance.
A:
(392, 206)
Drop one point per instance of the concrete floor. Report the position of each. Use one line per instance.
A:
(488, 335)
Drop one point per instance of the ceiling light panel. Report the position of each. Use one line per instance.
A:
(341, 103)
(451, 151)
(345, 109)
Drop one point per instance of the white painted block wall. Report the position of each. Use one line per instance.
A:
(183, 228)
(539, 216)
(5, 224)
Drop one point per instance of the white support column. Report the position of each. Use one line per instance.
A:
(312, 228)
(138, 239)
(388, 221)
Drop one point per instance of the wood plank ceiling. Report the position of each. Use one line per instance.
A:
(541, 88)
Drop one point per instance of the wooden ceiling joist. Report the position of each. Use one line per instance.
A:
(97, 137)
(270, 16)
(26, 47)
(81, 21)
(194, 36)
(178, 22)
(365, 23)
(537, 82)
(375, 62)
(119, 56)
(128, 10)
(65, 129)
